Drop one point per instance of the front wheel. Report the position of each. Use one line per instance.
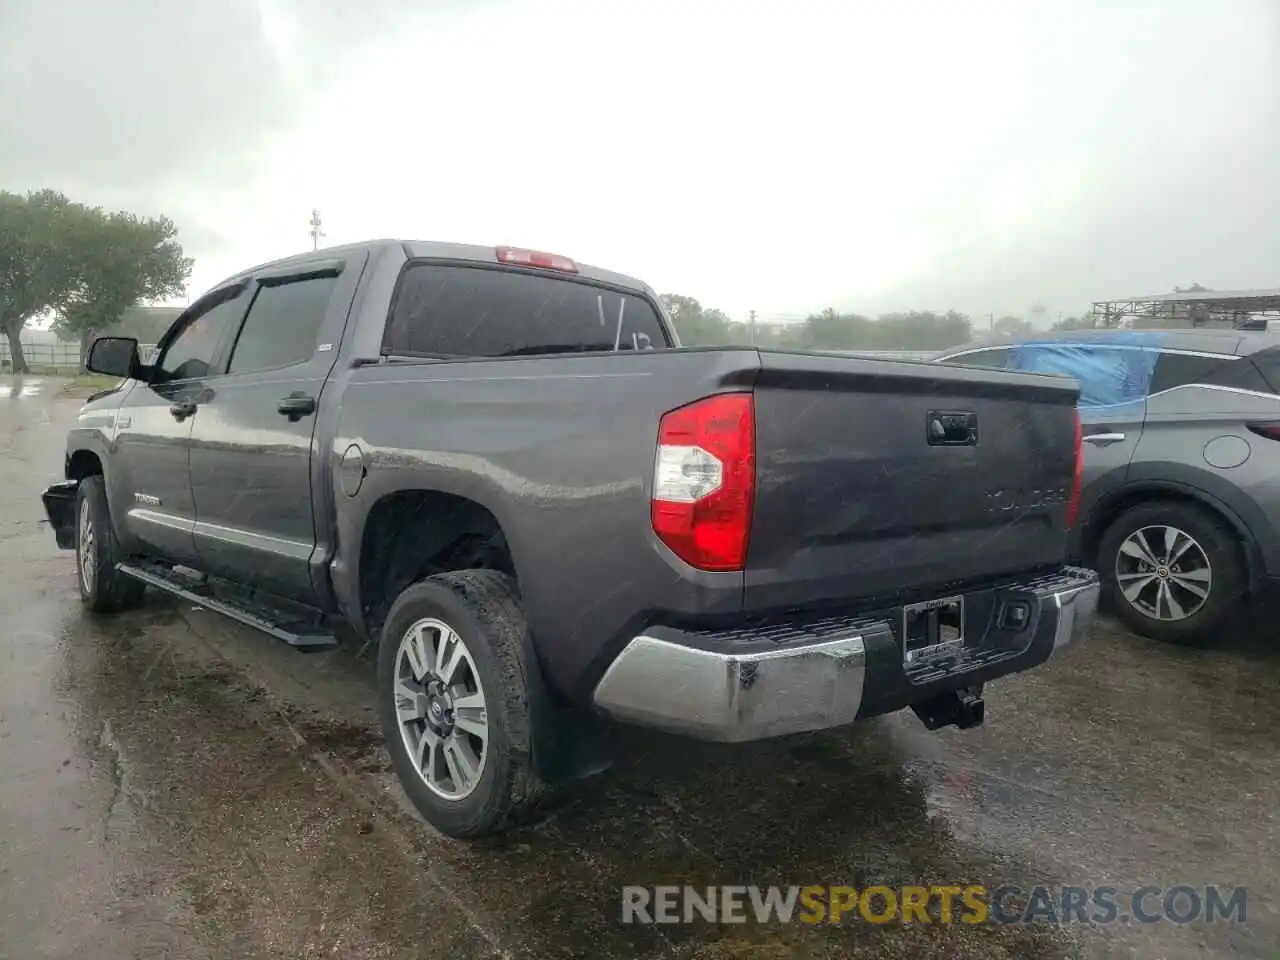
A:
(103, 588)
(1172, 571)
(454, 703)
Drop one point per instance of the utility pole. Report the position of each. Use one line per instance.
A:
(316, 232)
(753, 328)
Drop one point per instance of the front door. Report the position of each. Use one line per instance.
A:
(150, 481)
(1114, 378)
(252, 444)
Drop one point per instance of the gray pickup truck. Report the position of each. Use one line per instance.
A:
(501, 466)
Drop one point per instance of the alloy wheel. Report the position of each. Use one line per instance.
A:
(88, 549)
(440, 704)
(1163, 572)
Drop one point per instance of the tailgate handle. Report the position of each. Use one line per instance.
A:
(951, 428)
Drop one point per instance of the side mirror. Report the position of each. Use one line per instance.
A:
(113, 356)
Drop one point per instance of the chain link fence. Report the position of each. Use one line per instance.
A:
(56, 356)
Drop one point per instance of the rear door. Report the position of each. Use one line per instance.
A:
(253, 439)
(1198, 433)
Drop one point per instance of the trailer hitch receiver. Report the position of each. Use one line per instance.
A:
(963, 708)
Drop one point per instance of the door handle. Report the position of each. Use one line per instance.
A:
(1103, 439)
(183, 409)
(296, 406)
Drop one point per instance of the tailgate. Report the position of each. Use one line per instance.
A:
(856, 500)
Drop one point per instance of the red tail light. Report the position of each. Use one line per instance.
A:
(704, 481)
(535, 258)
(1269, 430)
(1077, 479)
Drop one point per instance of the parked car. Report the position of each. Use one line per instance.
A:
(1180, 508)
(496, 462)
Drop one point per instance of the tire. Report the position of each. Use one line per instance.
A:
(1225, 582)
(477, 785)
(103, 589)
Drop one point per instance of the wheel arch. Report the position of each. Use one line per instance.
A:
(83, 463)
(1145, 490)
(412, 533)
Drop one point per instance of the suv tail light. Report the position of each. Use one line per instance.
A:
(535, 258)
(704, 481)
(1077, 479)
(1270, 430)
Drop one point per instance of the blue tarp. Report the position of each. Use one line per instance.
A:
(1112, 373)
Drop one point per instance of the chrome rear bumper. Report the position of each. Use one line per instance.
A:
(713, 695)
(755, 683)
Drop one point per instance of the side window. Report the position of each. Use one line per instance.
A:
(996, 357)
(481, 312)
(283, 324)
(1108, 376)
(1178, 369)
(1267, 363)
(191, 353)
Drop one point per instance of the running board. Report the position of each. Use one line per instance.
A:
(306, 637)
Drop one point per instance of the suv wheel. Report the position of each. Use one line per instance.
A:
(453, 700)
(1172, 571)
(103, 589)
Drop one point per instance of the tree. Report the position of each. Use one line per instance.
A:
(1085, 322)
(1010, 327)
(119, 260)
(36, 273)
(830, 330)
(915, 330)
(700, 326)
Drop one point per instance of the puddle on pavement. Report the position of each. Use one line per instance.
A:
(13, 388)
(217, 821)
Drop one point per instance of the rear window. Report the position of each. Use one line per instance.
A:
(1238, 373)
(464, 311)
(1178, 369)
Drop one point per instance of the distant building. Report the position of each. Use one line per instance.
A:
(1240, 309)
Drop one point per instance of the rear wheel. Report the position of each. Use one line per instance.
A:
(453, 700)
(1172, 571)
(103, 589)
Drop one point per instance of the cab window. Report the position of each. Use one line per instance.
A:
(192, 351)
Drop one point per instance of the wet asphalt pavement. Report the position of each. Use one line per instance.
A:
(173, 785)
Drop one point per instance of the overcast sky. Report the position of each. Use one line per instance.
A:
(781, 156)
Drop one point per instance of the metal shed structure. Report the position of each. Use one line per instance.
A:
(1235, 309)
